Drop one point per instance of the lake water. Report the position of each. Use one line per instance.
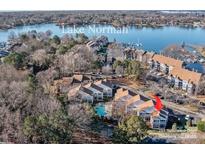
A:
(151, 39)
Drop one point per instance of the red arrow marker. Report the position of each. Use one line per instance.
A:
(158, 104)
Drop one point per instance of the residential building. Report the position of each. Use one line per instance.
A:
(86, 95)
(79, 78)
(106, 86)
(97, 91)
(61, 85)
(184, 79)
(164, 64)
(98, 43)
(127, 102)
(138, 54)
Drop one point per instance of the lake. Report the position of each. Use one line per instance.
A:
(151, 39)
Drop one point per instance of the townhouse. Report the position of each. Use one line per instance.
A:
(86, 95)
(91, 92)
(64, 84)
(164, 64)
(127, 102)
(97, 92)
(98, 43)
(138, 54)
(178, 77)
(184, 79)
(3, 54)
(106, 86)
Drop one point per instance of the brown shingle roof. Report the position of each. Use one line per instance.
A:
(186, 75)
(78, 77)
(168, 61)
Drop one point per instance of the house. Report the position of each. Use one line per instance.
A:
(159, 120)
(127, 102)
(106, 86)
(97, 91)
(80, 93)
(164, 64)
(147, 57)
(3, 54)
(79, 78)
(129, 53)
(61, 85)
(66, 83)
(86, 95)
(139, 55)
(184, 79)
(98, 43)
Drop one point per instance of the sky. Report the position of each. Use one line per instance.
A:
(101, 4)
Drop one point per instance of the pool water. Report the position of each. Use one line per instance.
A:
(100, 110)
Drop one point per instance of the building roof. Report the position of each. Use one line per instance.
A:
(78, 77)
(63, 81)
(186, 75)
(123, 92)
(104, 82)
(168, 61)
(92, 85)
(3, 53)
(130, 101)
(74, 91)
(86, 90)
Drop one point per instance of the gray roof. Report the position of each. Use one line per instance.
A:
(106, 83)
(3, 53)
(86, 90)
(97, 87)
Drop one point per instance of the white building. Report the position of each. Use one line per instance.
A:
(106, 86)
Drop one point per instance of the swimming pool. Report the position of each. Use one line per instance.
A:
(100, 110)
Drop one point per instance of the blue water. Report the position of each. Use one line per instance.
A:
(100, 110)
(196, 67)
(152, 39)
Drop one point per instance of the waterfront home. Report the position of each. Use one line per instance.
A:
(127, 102)
(107, 87)
(129, 53)
(147, 57)
(184, 79)
(164, 64)
(138, 55)
(97, 91)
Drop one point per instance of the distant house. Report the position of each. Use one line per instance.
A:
(106, 86)
(80, 78)
(129, 53)
(186, 80)
(138, 55)
(3, 53)
(98, 43)
(164, 64)
(127, 102)
(61, 85)
(66, 83)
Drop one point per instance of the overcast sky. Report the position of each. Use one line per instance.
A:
(100, 4)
